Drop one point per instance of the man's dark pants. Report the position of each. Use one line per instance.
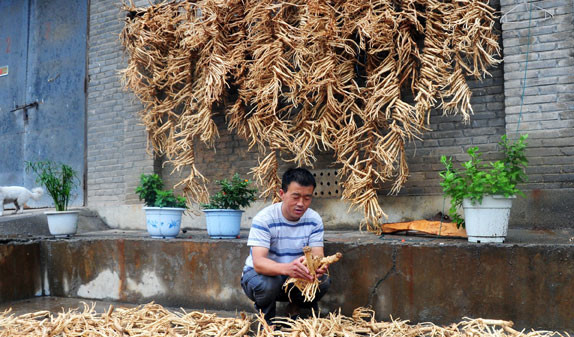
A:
(266, 290)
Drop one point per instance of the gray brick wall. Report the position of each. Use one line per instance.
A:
(548, 102)
(116, 138)
(451, 137)
(230, 156)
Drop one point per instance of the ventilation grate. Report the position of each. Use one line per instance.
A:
(327, 183)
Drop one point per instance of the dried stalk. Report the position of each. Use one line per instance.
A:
(154, 320)
(147, 320)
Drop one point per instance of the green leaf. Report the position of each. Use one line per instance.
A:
(150, 190)
(234, 194)
(59, 180)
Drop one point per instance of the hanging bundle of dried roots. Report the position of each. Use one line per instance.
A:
(309, 288)
(355, 77)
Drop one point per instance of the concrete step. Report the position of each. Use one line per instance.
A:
(33, 223)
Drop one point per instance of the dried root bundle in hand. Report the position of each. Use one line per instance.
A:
(313, 263)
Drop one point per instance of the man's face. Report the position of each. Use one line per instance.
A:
(296, 200)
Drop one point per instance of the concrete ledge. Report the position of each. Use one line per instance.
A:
(539, 209)
(33, 223)
(529, 284)
(527, 280)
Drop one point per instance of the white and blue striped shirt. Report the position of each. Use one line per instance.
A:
(285, 239)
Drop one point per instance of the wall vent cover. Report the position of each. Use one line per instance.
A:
(328, 185)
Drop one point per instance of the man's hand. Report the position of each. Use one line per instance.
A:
(322, 271)
(297, 269)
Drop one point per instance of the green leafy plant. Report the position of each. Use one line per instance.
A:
(234, 194)
(477, 179)
(59, 180)
(148, 187)
(168, 199)
(150, 190)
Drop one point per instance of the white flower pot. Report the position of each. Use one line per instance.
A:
(488, 221)
(62, 224)
(163, 222)
(223, 223)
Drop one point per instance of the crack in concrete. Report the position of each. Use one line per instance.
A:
(389, 272)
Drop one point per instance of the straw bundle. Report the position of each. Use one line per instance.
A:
(296, 77)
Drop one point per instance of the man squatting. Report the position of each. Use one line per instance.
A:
(277, 237)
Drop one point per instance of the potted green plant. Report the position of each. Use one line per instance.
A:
(485, 190)
(59, 180)
(163, 209)
(223, 213)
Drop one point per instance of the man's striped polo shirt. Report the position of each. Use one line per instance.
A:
(285, 239)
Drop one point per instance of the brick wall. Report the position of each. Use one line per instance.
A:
(548, 102)
(547, 106)
(116, 139)
(451, 137)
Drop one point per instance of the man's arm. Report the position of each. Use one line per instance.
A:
(318, 251)
(265, 266)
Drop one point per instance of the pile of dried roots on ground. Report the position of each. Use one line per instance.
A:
(148, 320)
(154, 320)
(357, 78)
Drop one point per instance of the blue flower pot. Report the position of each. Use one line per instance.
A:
(163, 222)
(223, 223)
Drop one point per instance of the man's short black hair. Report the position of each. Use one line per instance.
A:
(299, 175)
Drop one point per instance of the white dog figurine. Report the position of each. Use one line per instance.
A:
(19, 196)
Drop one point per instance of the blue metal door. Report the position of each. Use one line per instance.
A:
(13, 49)
(51, 87)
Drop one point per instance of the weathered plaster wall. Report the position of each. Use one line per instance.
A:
(419, 280)
(194, 274)
(20, 271)
(447, 282)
